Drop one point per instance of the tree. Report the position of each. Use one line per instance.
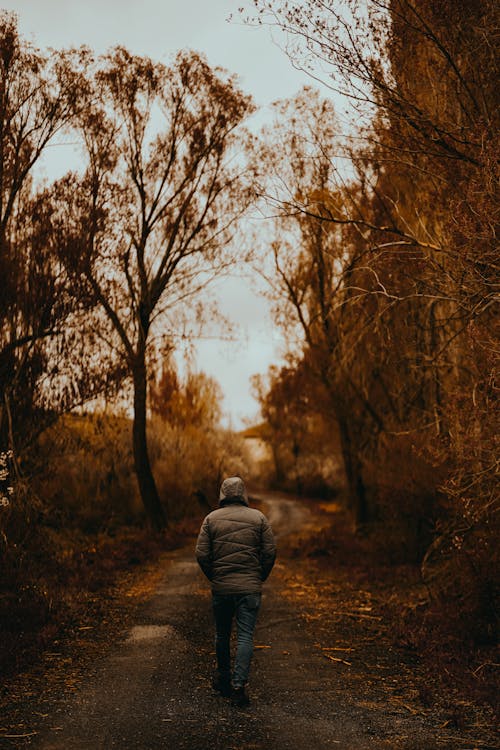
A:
(320, 294)
(40, 316)
(190, 451)
(422, 78)
(154, 214)
(196, 402)
(296, 410)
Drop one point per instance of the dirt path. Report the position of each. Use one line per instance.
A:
(320, 677)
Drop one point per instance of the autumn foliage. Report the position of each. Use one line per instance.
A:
(382, 264)
(386, 271)
(99, 273)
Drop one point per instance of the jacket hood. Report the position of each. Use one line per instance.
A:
(233, 491)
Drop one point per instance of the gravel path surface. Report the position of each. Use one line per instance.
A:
(152, 690)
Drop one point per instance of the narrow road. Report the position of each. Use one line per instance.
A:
(153, 689)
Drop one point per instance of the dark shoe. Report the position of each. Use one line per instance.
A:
(239, 697)
(222, 686)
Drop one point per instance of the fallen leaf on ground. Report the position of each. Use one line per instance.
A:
(334, 658)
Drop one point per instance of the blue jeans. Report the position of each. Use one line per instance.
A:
(246, 608)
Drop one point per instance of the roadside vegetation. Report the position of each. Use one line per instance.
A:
(383, 272)
(102, 445)
(80, 524)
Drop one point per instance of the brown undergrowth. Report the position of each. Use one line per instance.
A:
(455, 666)
(97, 591)
(62, 583)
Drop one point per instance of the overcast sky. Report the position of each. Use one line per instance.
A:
(159, 28)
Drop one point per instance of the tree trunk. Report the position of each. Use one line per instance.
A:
(279, 474)
(353, 470)
(145, 479)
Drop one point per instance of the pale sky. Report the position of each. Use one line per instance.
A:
(159, 28)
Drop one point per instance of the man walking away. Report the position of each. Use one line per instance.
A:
(236, 551)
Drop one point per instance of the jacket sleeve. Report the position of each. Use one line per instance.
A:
(267, 549)
(204, 549)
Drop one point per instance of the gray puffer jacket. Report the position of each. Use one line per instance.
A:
(236, 548)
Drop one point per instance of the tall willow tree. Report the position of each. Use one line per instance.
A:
(152, 219)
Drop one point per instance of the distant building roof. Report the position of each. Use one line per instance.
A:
(260, 431)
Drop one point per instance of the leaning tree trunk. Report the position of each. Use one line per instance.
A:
(145, 478)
